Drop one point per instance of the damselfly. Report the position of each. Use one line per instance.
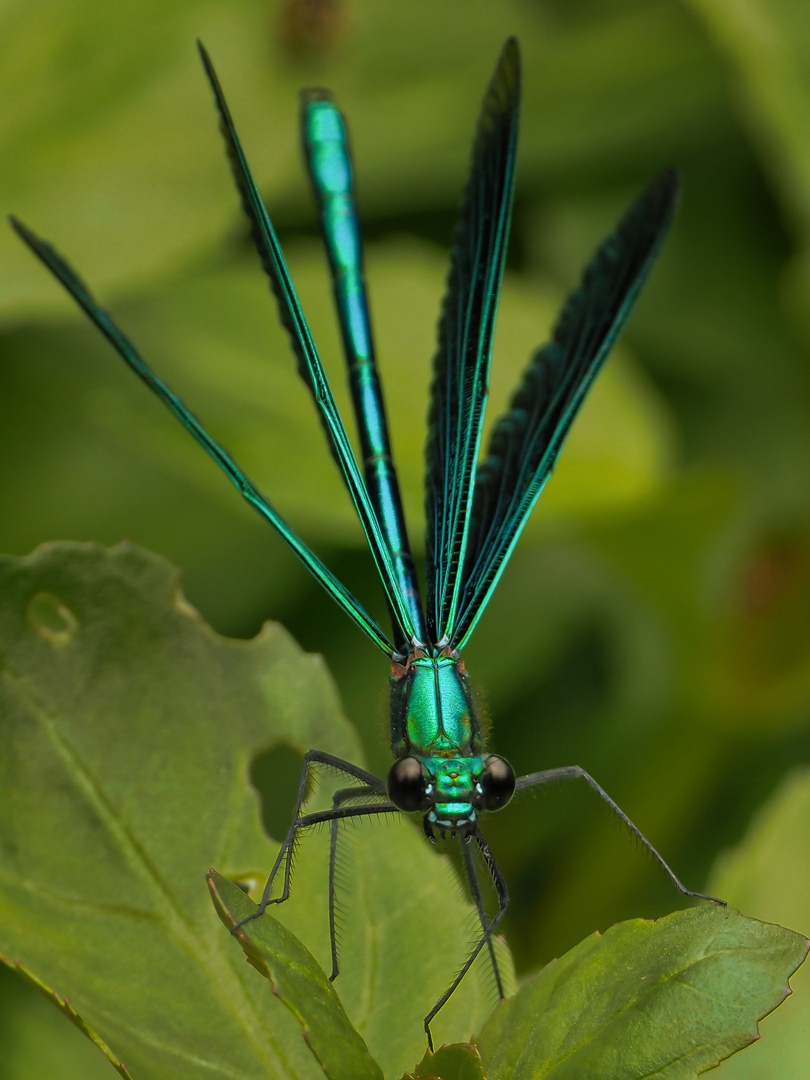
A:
(476, 506)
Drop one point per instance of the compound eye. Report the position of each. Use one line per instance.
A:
(406, 784)
(497, 782)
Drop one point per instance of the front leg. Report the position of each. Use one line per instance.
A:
(570, 772)
(301, 821)
(366, 792)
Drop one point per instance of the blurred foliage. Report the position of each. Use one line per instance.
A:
(653, 624)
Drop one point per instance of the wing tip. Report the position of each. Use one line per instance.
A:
(503, 92)
(510, 53)
(39, 246)
(204, 56)
(665, 191)
(211, 75)
(19, 228)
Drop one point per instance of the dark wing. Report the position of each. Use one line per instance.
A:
(127, 351)
(528, 437)
(461, 366)
(309, 363)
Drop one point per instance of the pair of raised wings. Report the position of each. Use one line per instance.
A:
(475, 509)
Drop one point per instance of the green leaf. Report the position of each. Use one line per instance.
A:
(130, 730)
(769, 873)
(669, 998)
(36, 1042)
(65, 1007)
(458, 1062)
(298, 981)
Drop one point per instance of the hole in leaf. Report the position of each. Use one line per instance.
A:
(51, 619)
(275, 774)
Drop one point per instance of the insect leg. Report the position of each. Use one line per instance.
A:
(488, 925)
(478, 896)
(303, 821)
(341, 798)
(575, 772)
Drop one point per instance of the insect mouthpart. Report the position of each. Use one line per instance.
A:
(449, 819)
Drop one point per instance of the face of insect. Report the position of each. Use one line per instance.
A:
(451, 792)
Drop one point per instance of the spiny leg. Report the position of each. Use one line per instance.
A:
(312, 757)
(575, 772)
(307, 821)
(301, 822)
(340, 798)
(333, 933)
(488, 925)
(478, 897)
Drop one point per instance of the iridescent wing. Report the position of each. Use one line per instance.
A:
(310, 367)
(461, 366)
(526, 440)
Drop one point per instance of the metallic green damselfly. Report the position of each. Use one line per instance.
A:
(476, 504)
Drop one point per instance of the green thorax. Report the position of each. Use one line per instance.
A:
(432, 710)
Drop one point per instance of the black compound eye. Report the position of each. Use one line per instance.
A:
(406, 784)
(497, 782)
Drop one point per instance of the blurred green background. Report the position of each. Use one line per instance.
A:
(653, 623)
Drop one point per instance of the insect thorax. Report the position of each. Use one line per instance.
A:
(432, 709)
